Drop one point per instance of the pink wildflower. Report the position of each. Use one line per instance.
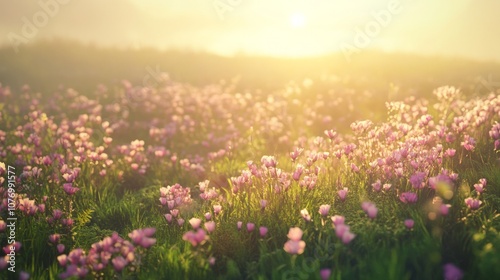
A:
(409, 223)
(295, 234)
(342, 194)
(195, 222)
(142, 237)
(472, 203)
(325, 273)
(263, 231)
(250, 227)
(337, 220)
(408, 197)
(324, 209)
(294, 247)
(210, 226)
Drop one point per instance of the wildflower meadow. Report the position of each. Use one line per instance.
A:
(183, 181)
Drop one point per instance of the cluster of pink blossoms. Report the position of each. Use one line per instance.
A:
(342, 230)
(135, 156)
(205, 192)
(175, 196)
(475, 203)
(295, 245)
(111, 251)
(495, 135)
(370, 209)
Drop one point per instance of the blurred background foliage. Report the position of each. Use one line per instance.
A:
(45, 64)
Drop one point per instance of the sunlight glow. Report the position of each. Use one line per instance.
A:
(275, 28)
(297, 20)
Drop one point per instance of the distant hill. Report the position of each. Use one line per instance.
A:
(47, 64)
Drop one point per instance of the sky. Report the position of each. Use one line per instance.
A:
(293, 28)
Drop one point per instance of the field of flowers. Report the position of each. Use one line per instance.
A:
(187, 182)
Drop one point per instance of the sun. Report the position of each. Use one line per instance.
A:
(297, 20)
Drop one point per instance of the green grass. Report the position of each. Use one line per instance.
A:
(124, 200)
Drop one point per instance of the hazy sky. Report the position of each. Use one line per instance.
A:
(273, 27)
